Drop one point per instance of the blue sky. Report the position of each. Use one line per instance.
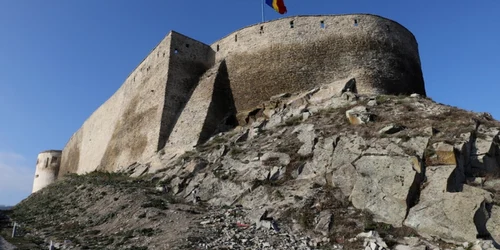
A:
(61, 59)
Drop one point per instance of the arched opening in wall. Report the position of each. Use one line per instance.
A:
(291, 24)
(218, 48)
(176, 51)
(355, 22)
(322, 24)
(187, 45)
(53, 160)
(47, 163)
(261, 30)
(387, 27)
(235, 38)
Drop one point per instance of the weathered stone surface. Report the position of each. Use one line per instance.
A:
(349, 96)
(324, 222)
(417, 144)
(275, 159)
(339, 165)
(372, 103)
(277, 173)
(307, 136)
(493, 224)
(443, 155)
(449, 216)
(480, 151)
(358, 115)
(316, 168)
(382, 187)
(382, 146)
(192, 167)
(139, 170)
(218, 153)
(391, 129)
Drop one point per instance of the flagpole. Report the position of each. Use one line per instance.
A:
(262, 9)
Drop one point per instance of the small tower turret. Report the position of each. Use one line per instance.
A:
(47, 168)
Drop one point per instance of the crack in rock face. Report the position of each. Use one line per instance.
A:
(382, 187)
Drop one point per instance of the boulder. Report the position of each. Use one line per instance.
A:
(324, 222)
(382, 187)
(358, 115)
(391, 129)
(307, 136)
(493, 224)
(322, 158)
(454, 217)
(441, 154)
(275, 159)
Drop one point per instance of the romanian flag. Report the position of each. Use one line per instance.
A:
(277, 5)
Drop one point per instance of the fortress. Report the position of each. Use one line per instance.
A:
(185, 91)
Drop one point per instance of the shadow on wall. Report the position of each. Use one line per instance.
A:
(221, 115)
(177, 94)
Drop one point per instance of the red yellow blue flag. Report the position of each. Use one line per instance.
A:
(277, 5)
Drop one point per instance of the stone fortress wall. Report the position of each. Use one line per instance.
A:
(132, 123)
(178, 96)
(301, 52)
(47, 168)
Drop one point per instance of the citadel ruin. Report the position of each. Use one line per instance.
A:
(185, 91)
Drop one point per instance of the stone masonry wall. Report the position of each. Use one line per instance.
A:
(292, 54)
(127, 126)
(187, 65)
(266, 59)
(210, 103)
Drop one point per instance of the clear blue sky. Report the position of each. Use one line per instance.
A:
(61, 59)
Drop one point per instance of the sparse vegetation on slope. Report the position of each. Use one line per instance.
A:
(306, 171)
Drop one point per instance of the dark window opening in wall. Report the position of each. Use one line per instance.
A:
(291, 24)
(261, 30)
(53, 160)
(176, 51)
(322, 24)
(37, 161)
(187, 45)
(388, 28)
(158, 54)
(163, 54)
(235, 38)
(47, 163)
(36, 176)
(147, 69)
(218, 48)
(355, 22)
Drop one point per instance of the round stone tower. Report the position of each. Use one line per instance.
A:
(47, 167)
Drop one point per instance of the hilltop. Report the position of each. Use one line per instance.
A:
(308, 170)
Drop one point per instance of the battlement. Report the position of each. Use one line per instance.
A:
(181, 93)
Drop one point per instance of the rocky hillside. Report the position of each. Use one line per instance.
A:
(313, 170)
